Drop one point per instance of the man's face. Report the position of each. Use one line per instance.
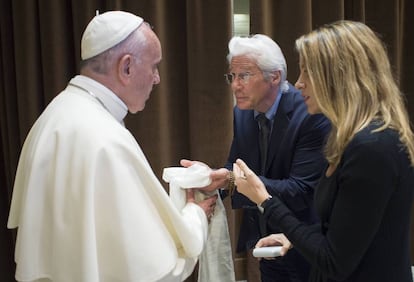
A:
(250, 88)
(145, 75)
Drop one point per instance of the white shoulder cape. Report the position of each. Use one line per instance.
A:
(88, 206)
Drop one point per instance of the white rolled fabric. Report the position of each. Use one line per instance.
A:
(216, 261)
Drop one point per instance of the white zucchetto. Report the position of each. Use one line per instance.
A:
(106, 30)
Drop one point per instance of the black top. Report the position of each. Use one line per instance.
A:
(365, 209)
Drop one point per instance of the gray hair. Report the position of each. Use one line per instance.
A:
(133, 44)
(264, 51)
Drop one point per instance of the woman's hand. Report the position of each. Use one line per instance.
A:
(276, 240)
(248, 183)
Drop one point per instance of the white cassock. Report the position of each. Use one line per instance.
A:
(88, 206)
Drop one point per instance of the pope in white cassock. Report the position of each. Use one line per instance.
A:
(86, 203)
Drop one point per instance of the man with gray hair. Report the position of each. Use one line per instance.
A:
(87, 205)
(277, 138)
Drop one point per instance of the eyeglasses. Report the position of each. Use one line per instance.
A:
(243, 77)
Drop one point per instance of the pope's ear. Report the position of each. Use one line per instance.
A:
(125, 67)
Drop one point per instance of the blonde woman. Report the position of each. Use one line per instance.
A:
(364, 198)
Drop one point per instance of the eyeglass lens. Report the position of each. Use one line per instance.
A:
(244, 77)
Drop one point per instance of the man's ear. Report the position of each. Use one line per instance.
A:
(275, 77)
(125, 64)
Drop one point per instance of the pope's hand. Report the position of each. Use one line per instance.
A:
(208, 204)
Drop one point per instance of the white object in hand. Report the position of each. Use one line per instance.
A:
(267, 252)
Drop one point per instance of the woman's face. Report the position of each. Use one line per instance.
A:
(304, 85)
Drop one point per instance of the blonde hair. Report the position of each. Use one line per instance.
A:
(351, 77)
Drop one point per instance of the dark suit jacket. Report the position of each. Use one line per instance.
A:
(294, 161)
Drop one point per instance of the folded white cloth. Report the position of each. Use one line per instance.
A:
(216, 261)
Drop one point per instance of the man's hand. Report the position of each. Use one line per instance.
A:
(219, 178)
(207, 204)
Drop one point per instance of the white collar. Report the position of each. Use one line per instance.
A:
(109, 100)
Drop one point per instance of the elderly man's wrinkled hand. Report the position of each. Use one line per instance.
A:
(219, 177)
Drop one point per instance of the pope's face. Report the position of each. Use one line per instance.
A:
(146, 73)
